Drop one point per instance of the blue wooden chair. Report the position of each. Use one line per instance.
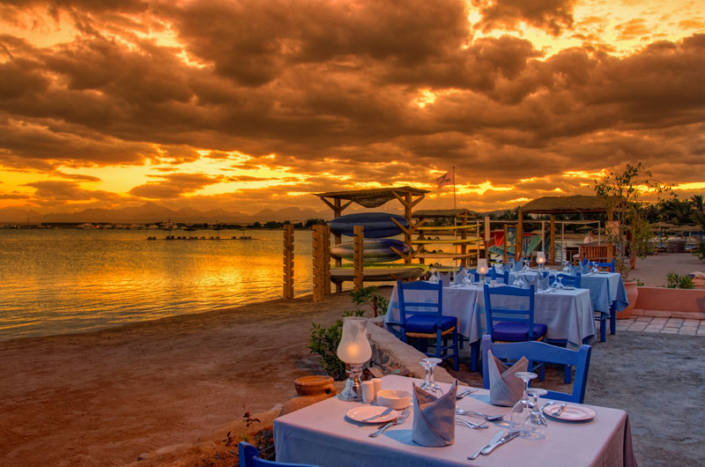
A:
(425, 320)
(609, 265)
(545, 353)
(249, 457)
(515, 323)
(502, 277)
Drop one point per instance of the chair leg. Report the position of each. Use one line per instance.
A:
(603, 329)
(456, 354)
(474, 355)
(613, 322)
(567, 378)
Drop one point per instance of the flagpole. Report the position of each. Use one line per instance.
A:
(454, 187)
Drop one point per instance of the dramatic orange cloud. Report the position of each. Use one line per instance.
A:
(254, 104)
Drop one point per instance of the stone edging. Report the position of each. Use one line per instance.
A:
(391, 352)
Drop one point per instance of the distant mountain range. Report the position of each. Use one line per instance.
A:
(152, 212)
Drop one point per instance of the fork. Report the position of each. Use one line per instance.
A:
(466, 392)
(472, 425)
(489, 418)
(397, 421)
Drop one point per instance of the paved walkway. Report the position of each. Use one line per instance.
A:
(686, 327)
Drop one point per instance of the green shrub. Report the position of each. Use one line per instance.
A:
(639, 283)
(676, 281)
(325, 341)
(368, 296)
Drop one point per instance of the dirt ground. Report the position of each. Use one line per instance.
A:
(103, 398)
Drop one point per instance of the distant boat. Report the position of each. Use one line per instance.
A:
(376, 224)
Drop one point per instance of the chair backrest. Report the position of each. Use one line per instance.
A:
(430, 301)
(249, 457)
(502, 277)
(541, 352)
(475, 274)
(505, 308)
(571, 281)
(609, 265)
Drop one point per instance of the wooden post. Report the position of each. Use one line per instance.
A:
(520, 237)
(553, 239)
(506, 243)
(325, 233)
(407, 213)
(337, 210)
(358, 258)
(288, 262)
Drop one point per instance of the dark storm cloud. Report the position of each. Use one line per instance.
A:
(330, 90)
(551, 15)
(173, 186)
(67, 191)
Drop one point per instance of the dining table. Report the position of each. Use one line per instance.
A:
(568, 314)
(323, 435)
(607, 291)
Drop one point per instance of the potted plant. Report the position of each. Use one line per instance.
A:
(628, 230)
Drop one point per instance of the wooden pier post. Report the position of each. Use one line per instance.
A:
(321, 262)
(288, 262)
(553, 239)
(506, 244)
(358, 258)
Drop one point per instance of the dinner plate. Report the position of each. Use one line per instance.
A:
(571, 413)
(371, 414)
(569, 287)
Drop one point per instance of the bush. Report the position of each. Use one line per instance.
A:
(700, 251)
(679, 282)
(325, 341)
(368, 296)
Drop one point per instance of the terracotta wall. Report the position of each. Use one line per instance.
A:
(662, 299)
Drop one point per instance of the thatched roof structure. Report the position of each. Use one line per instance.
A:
(444, 213)
(566, 205)
(374, 197)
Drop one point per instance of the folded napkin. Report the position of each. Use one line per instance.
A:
(505, 388)
(445, 279)
(517, 266)
(539, 282)
(585, 269)
(459, 276)
(434, 418)
(574, 270)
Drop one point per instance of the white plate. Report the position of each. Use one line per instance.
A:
(571, 413)
(569, 287)
(367, 414)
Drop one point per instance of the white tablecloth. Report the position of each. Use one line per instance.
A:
(321, 435)
(605, 289)
(567, 313)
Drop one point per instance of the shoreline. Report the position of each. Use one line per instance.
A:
(104, 397)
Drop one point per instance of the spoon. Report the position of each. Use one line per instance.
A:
(489, 418)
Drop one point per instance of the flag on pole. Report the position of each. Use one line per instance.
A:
(444, 180)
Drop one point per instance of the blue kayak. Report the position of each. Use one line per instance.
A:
(374, 251)
(376, 224)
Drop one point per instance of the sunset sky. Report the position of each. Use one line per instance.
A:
(253, 104)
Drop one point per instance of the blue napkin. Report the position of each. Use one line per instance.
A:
(434, 418)
(516, 267)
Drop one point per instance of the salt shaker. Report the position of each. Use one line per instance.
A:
(368, 392)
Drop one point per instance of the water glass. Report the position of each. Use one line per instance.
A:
(537, 421)
(521, 412)
(429, 383)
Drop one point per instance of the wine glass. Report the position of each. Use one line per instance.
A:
(536, 418)
(594, 270)
(559, 279)
(434, 278)
(429, 383)
(554, 285)
(522, 410)
(500, 266)
(566, 267)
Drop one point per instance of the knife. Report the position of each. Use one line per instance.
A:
(504, 440)
(495, 439)
(386, 412)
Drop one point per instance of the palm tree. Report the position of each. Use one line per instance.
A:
(698, 203)
(678, 211)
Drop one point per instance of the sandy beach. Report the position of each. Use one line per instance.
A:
(103, 398)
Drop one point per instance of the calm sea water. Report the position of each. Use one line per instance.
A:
(68, 281)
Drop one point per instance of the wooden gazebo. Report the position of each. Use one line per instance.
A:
(553, 205)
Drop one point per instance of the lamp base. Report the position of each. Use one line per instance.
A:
(353, 386)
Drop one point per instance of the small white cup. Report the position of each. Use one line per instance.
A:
(378, 386)
(493, 283)
(368, 392)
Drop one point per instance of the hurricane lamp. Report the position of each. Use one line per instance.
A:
(354, 349)
(541, 259)
(482, 269)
